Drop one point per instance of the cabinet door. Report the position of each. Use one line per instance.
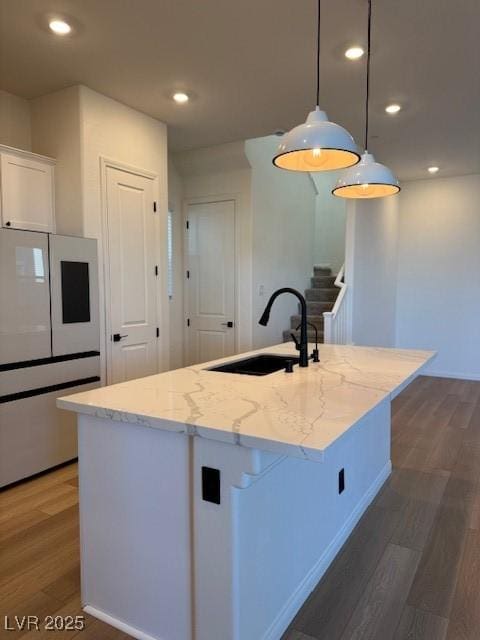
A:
(27, 193)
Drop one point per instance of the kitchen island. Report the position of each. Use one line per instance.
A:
(211, 503)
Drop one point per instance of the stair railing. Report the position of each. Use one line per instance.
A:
(336, 321)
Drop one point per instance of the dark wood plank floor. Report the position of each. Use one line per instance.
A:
(409, 571)
(411, 568)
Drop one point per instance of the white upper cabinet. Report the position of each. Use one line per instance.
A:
(27, 190)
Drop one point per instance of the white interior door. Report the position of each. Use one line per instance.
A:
(131, 265)
(210, 281)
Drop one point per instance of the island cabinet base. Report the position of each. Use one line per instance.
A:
(161, 560)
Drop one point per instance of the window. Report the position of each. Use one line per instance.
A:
(170, 253)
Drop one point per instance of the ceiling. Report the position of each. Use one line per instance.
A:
(249, 66)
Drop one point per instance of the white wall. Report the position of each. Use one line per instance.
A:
(56, 133)
(371, 269)
(330, 221)
(275, 227)
(175, 203)
(80, 127)
(283, 206)
(217, 173)
(15, 129)
(113, 131)
(438, 301)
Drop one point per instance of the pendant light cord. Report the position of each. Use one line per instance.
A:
(318, 55)
(367, 97)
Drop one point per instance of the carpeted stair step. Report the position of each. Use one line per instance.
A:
(323, 282)
(317, 308)
(322, 271)
(321, 295)
(310, 335)
(320, 298)
(316, 320)
(321, 305)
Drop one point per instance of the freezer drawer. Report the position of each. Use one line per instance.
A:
(24, 296)
(34, 434)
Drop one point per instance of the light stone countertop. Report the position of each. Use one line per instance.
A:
(299, 414)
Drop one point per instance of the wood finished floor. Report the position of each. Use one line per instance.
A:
(409, 571)
(411, 568)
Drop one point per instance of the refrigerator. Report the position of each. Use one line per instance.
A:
(49, 346)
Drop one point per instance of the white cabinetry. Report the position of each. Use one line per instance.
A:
(27, 190)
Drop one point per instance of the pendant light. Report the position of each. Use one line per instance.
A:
(318, 144)
(368, 179)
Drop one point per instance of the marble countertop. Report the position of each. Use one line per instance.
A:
(299, 414)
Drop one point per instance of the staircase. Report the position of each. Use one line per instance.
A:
(320, 297)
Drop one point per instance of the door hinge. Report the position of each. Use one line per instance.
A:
(154, 207)
(188, 322)
(188, 273)
(188, 224)
(156, 269)
(158, 332)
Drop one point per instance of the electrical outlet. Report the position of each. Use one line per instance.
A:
(211, 485)
(341, 481)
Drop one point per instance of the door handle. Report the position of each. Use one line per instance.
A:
(227, 324)
(117, 337)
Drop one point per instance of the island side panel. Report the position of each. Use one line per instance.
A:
(259, 554)
(135, 527)
(214, 528)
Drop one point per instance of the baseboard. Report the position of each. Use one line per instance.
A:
(43, 472)
(118, 624)
(286, 615)
(449, 374)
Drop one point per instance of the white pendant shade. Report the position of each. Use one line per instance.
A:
(367, 179)
(316, 145)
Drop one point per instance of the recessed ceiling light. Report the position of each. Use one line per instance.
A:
(180, 97)
(393, 108)
(60, 27)
(433, 169)
(354, 53)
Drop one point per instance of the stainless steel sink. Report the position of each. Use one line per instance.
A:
(260, 365)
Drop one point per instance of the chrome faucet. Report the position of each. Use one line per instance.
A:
(302, 345)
